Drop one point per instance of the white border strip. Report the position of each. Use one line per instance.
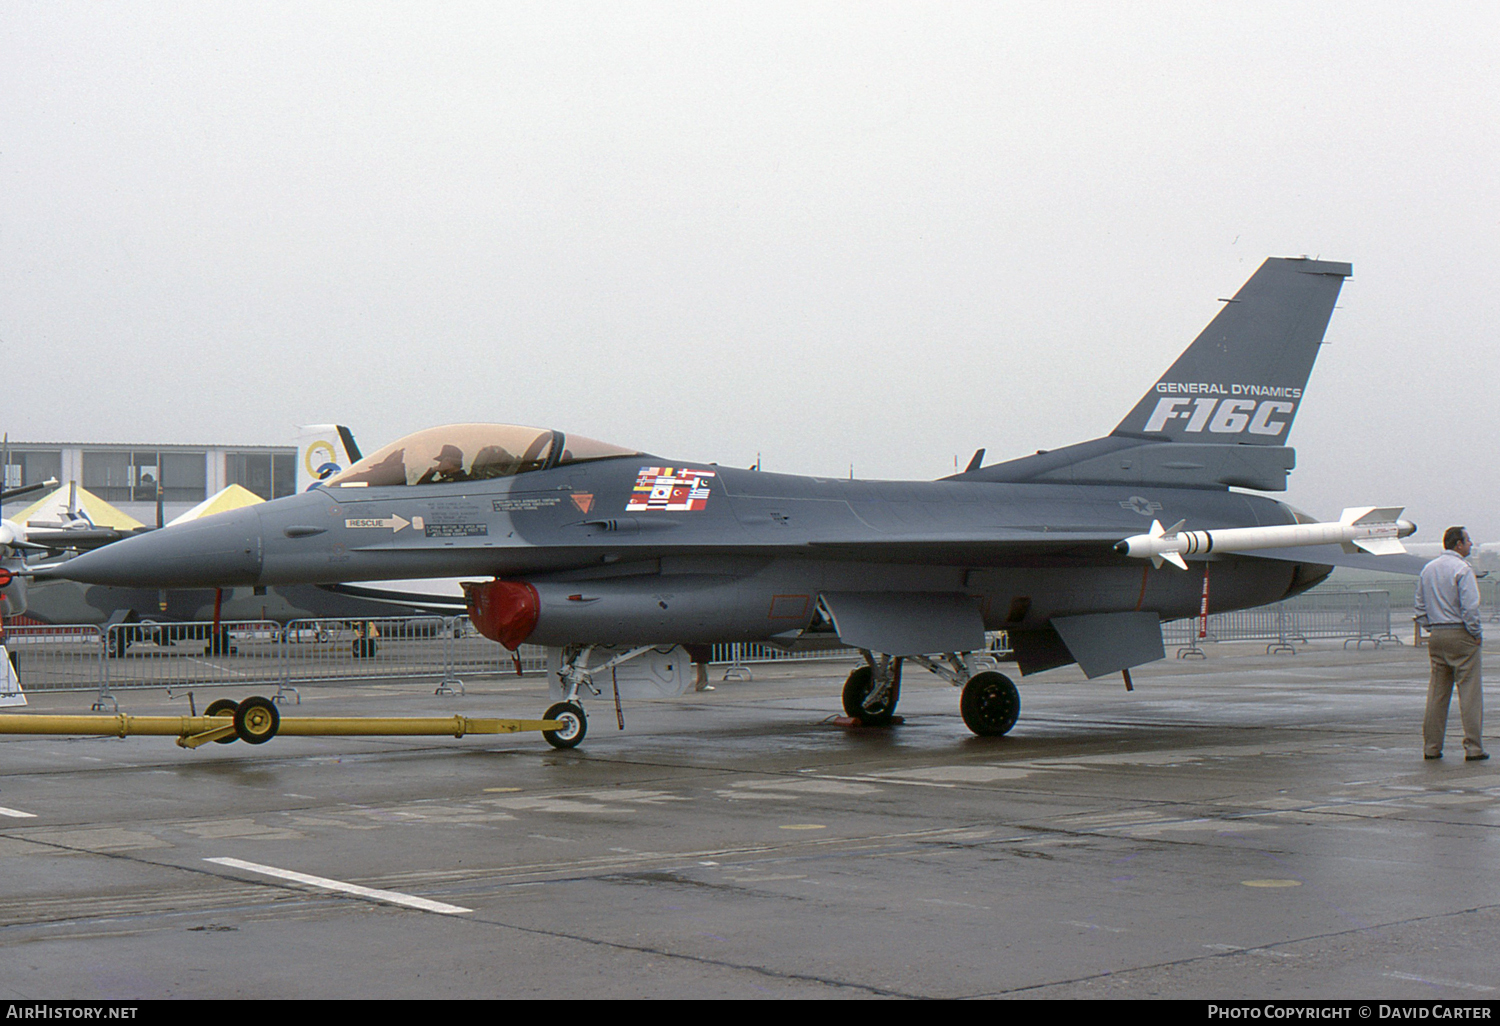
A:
(393, 897)
(17, 813)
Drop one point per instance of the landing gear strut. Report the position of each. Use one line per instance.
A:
(576, 673)
(872, 691)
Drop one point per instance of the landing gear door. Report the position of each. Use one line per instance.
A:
(664, 672)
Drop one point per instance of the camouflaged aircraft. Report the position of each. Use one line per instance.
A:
(579, 544)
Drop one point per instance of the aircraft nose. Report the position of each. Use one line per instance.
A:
(217, 551)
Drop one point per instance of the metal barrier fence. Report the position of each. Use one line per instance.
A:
(1357, 617)
(176, 655)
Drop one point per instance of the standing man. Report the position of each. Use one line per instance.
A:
(1447, 605)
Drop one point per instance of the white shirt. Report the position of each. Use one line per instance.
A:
(1448, 593)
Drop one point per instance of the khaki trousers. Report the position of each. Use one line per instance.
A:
(1455, 660)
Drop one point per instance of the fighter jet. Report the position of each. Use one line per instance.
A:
(579, 544)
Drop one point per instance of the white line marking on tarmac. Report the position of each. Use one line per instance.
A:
(17, 813)
(392, 897)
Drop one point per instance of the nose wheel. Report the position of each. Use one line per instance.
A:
(574, 725)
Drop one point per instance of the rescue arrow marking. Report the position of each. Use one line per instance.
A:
(394, 522)
(393, 897)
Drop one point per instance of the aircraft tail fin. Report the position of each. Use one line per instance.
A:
(1226, 405)
(322, 451)
(1242, 379)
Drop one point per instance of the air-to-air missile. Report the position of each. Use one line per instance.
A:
(1372, 529)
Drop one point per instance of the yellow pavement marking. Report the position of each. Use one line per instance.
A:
(1271, 883)
(803, 826)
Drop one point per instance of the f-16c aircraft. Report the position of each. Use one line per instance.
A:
(586, 545)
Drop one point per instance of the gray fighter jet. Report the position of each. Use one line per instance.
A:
(581, 544)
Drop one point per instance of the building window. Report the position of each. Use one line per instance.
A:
(249, 470)
(184, 477)
(283, 475)
(268, 475)
(108, 474)
(133, 476)
(26, 468)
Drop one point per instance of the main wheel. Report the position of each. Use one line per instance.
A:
(364, 648)
(575, 725)
(256, 720)
(218, 707)
(990, 704)
(857, 687)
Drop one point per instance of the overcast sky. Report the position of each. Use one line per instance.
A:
(828, 234)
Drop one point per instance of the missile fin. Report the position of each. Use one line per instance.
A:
(1169, 532)
(1380, 546)
(1155, 531)
(1174, 559)
(1380, 515)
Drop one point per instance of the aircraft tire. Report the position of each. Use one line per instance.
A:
(364, 648)
(256, 720)
(857, 687)
(990, 704)
(577, 724)
(218, 707)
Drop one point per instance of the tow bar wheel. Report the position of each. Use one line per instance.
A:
(256, 720)
(575, 725)
(222, 707)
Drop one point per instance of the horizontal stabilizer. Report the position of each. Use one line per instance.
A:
(1334, 555)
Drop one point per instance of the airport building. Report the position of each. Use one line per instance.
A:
(126, 475)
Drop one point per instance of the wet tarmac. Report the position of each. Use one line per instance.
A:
(1243, 826)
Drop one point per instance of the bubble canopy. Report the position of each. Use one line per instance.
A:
(470, 452)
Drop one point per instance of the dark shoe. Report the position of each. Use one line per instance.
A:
(1477, 758)
(1439, 755)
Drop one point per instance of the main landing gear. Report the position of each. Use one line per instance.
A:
(872, 691)
(990, 702)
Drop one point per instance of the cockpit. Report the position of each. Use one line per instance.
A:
(471, 452)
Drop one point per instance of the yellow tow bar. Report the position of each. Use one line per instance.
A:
(256, 720)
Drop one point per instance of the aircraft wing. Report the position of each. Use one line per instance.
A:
(82, 539)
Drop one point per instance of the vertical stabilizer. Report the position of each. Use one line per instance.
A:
(1241, 381)
(322, 451)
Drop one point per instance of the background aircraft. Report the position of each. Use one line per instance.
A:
(72, 520)
(592, 544)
